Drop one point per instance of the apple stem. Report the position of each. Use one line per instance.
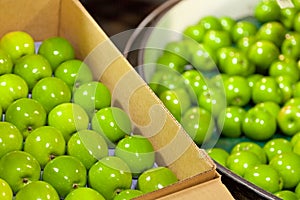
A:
(75, 186)
(52, 157)
(29, 128)
(25, 180)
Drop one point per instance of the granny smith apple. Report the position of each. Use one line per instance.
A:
(229, 122)
(171, 61)
(243, 28)
(267, 10)
(199, 124)
(290, 45)
(262, 53)
(237, 90)
(285, 66)
(218, 154)
(227, 22)
(37, 190)
(6, 192)
(109, 176)
(245, 42)
(177, 101)
(84, 193)
(68, 118)
(12, 87)
(45, 143)
(241, 161)
(294, 101)
(19, 168)
(269, 106)
(138, 152)
(210, 22)
(194, 32)
(286, 194)
(92, 96)
(296, 26)
(177, 48)
(113, 123)
(128, 194)
(253, 78)
(273, 31)
(265, 177)
(10, 138)
(277, 146)
(56, 50)
(285, 84)
(216, 81)
(297, 190)
(295, 138)
(32, 68)
(296, 89)
(296, 147)
(216, 39)
(65, 173)
(17, 44)
(156, 178)
(26, 114)
(266, 89)
(88, 146)
(288, 119)
(287, 165)
(252, 147)
(74, 72)
(287, 17)
(50, 92)
(259, 124)
(6, 63)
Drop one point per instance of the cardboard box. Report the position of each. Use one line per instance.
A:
(175, 149)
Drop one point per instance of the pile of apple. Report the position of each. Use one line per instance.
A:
(241, 80)
(60, 137)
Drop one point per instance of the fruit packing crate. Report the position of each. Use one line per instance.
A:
(195, 170)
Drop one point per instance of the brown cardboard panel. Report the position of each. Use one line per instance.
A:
(39, 18)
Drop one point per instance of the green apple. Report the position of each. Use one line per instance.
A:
(19, 168)
(237, 90)
(265, 177)
(285, 84)
(17, 44)
(213, 100)
(109, 176)
(177, 101)
(253, 78)
(50, 92)
(245, 42)
(287, 164)
(218, 154)
(288, 119)
(6, 192)
(88, 146)
(128, 194)
(210, 22)
(45, 143)
(12, 87)
(296, 147)
(177, 48)
(273, 31)
(296, 89)
(252, 147)
(216, 39)
(241, 161)
(216, 81)
(243, 28)
(259, 124)
(156, 178)
(113, 123)
(74, 72)
(199, 124)
(65, 173)
(266, 89)
(92, 96)
(286, 194)
(229, 122)
(26, 114)
(294, 101)
(290, 45)
(285, 66)
(68, 118)
(277, 146)
(270, 106)
(295, 138)
(267, 10)
(296, 26)
(297, 190)
(138, 152)
(84, 193)
(194, 32)
(56, 50)
(6, 63)
(11, 138)
(227, 23)
(287, 17)
(236, 62)
(40, 190)
(32, 68)
(262, 53)
(171, 61)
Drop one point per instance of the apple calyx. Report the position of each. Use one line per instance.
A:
(25, 180)
(75, 185)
